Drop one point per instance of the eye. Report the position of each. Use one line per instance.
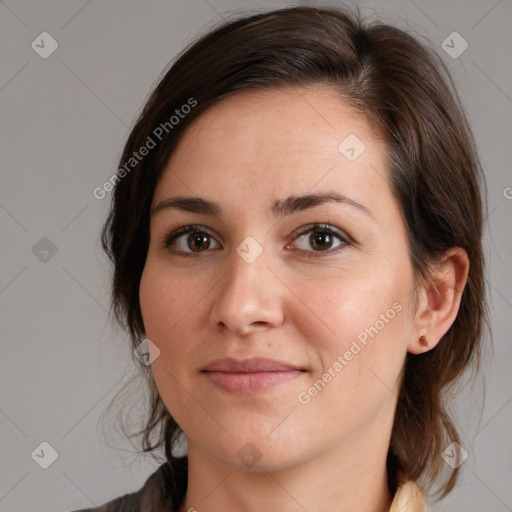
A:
(196, 240)
(191, 240)
(321, 238)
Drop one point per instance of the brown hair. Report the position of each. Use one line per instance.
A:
(404, 89)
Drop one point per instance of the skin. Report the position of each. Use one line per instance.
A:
(244, 153)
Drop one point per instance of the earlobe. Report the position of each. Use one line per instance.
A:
(423, 340)
(420, 345)
(440, 300)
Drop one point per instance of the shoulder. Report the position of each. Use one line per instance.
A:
(127, 503)
(162, 491)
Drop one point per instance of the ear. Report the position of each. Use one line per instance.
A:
(439, 300)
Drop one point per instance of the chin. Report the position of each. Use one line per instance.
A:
(255, 453)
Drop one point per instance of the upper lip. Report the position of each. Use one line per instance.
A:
(255, 364)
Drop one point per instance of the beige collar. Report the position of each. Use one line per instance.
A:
(409, 498)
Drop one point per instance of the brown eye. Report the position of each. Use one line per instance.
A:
(197, 242)
(190, 240)
(321, 240)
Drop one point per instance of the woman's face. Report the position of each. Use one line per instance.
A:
(254, 278)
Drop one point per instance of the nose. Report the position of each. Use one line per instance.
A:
(249, 298)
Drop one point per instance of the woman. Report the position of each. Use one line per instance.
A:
(296, 236)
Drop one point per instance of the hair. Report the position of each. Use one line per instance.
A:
(404, 89)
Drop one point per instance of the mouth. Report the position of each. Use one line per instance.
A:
(250, 375)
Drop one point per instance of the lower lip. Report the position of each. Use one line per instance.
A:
(251, 382)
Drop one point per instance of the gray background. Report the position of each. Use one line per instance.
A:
(64, 121)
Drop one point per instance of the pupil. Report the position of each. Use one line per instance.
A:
(198, 240)
(321, 239)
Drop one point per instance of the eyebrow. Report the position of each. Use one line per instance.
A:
(281, 207)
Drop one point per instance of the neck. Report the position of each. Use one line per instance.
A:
(353, 479)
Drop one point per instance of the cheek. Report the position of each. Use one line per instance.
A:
(164, 300)
(161, 310)
(153, 307)
(356, 328)
(173, 311)
(338, 309)
(162, 306)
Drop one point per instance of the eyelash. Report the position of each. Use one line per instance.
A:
(184, 229)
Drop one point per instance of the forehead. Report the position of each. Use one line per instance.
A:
(277, 141)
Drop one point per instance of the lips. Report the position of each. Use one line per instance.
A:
(250, 375)
(255, 364)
